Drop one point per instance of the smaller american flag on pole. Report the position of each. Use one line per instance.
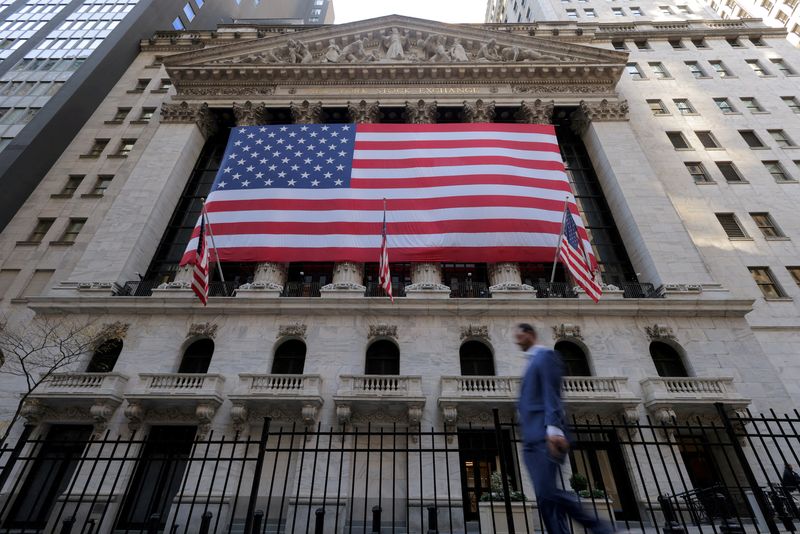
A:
(200, 269)
(571, 252)
(384, 276)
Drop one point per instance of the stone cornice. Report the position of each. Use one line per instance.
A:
(608, 306)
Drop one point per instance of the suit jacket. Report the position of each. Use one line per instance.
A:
(540, 403)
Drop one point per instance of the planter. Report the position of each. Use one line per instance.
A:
(498, 509)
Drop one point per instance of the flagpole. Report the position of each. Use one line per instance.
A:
(560, 235)
(213, 244)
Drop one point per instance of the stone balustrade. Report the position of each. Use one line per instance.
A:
(297, 395)
(280, 385)
(182, 383)
(94, 384)
(669, 398)
(388, 391)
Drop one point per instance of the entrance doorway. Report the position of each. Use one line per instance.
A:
(479, 458)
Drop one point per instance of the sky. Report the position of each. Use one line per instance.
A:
(441, 10)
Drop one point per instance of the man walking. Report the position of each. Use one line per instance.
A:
(545, 444)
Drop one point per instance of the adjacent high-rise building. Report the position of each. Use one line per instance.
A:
(778, 14)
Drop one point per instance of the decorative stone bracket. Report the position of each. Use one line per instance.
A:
(658, 331)
(475, 331)
(185, 113)
(292, 330)
(382, 330)
(203, 415)
(566, 330)
(604, 111)
(208, 330)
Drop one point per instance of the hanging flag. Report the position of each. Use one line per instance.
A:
(573, 254)
(200, 268)
(476, 192)
(384, 276)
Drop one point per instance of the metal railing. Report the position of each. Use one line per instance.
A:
(301, 289)
(554, 290)
(639, 290)
(144, 288)
(375, 290)
(469, 289)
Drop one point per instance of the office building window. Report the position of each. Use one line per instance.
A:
(684, 106)
(74, 227)
(188, 11)
(720, 68)
(636, 11)
(783, 67)
(619, 45)
(164, 84)
(657, 107)
(766, 282)
(617, 12)
(684, 10)
(777, 171)
(40, 230)
(707, 139)
(678, 140)
(120, 115)
(757, 67)
(724, 105)
(590, 13)
(634, 71)
(147, 114)
(698, 172)
(572, 13)
(752, 104)
(767, 225)
(729, 172)
(734, 42)
(696, 70)
(676, 44)
(177, 24)
(751, 138)
(97, 148)
(665, 10)
(795, 273)
(792, 102)
(642, 44)
(102, 183)
(699, 43)
(730, 224)
(125, 147)
(757, 41)
(659, 70)
(781, 139)
(141, 84)
(73, 182)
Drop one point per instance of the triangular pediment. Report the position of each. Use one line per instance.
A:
(396, 40)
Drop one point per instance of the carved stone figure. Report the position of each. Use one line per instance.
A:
(333, 53)
(395, 45)
(305, 53)
(441, 55)
(429, 46)
(488, 52)
(355, 52)
(515, 53)
(293, 51)
(457, 51)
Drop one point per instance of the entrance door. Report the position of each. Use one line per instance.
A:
(598, 457)
(479, 458)
(700, 464)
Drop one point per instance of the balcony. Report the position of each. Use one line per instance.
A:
(301, 289)
(77, 396)
(592, 394)
(671, 397)
(259, 395)
(144, 288)
(174, 395)
(360, 396)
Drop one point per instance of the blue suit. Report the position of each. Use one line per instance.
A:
(540, 407)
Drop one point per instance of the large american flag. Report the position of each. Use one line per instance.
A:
(579, 264)
(200, 267)
(482, 192)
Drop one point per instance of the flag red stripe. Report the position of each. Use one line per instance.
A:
(469, 179)
(408, 163)
(455, 143)
(546, 129)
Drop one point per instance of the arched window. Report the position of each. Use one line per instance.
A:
(476, 359)
(575, 361)
(383, 358)
(105, 356)
(197, 357)
(290, 358)
(667, 360)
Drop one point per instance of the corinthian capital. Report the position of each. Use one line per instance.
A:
(421, 112)
(248, 114)
(306, 112)
(479, 111)
(604, 110)
(364, 112)
(536, 112)
(185, 113)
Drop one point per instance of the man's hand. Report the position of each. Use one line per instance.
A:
(557, 445)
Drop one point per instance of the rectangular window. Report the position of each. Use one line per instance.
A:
(40, 230)
(676, 44)
(659, 70)
(757, 67)
(792, 102)
(617, 12)
(695, 69)
(766, 282)
(699, 43)
(590, 13)
(38, 283)
(684, 10)
(642, 44)
(720, 68)
(698, 172)
(634, 71)
(751, 104)
(665, 10)
(73, 182)
(189, 12)
(734, 42)
(795, 273)
(572, 13)
(125, 147)
(767, 225)
(657, 107)
(72, 230)
(619, 45)
(147, 114)
(678, 140)
(177, 24)
(120, 115)
(684, 106)
(777, 171)
(165, 84)
(636, 11)
(707, 139)
(724, 105)
(731, 225)
(102, 183)
(729, 172)
(97, 148)
(141, 84)
(751, 138)
(783, 67)
(7, 277)
(781, 139)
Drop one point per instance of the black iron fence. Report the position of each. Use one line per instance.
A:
(720, 473)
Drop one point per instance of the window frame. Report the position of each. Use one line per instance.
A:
(780, 294)
(732, 220)
(734, 171)
(679, 133)
(767, 225)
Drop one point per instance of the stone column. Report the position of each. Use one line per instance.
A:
(426, 278)
(127, 238)
(269, 277)
(660, 247)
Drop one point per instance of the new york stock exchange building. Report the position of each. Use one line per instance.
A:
(301, 399)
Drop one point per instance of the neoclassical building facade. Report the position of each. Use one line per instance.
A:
(691, 318)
